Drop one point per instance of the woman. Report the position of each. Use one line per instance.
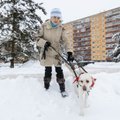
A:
(53, 34)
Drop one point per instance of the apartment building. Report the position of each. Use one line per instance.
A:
(69, 28)
(81, 35)
(112, 27)
(92, 36)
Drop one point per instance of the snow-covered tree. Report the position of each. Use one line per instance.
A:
(116, 52)
(18, 24)
(116, 37)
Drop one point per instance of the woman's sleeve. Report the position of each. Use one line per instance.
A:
(41, 41)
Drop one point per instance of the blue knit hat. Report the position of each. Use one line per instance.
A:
(56, 13)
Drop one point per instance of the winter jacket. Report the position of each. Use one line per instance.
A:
(55, 36)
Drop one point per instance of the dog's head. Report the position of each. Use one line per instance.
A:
(86, 81)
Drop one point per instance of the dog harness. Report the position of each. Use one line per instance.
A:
(78, 78)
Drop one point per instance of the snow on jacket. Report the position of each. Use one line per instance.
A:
(55, 36)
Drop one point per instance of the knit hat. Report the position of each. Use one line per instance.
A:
(56, 13)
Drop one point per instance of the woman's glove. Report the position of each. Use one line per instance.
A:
(70, 57)
(47, 45)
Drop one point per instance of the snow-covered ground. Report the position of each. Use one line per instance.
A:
(22, 96)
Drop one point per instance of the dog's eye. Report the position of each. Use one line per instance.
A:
(81, 81)
(87, 81)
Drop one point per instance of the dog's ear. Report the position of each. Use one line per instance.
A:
(94, 79)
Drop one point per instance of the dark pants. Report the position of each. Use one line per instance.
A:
(59, 73)
(59, 76)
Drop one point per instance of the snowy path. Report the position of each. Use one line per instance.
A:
(13, 76)
(22, 96)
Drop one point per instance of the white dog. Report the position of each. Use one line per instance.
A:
(82, 85)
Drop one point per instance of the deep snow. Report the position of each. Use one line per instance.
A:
(22, 96)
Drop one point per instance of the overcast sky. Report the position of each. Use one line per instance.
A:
(76, 9)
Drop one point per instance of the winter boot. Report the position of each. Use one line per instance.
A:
(47, 78)
(62, 87)
(61, 82)
(47, 83)
(64, 94)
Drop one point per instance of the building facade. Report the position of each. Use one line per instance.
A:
(92, 36)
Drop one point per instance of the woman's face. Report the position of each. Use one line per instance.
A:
(56, 20)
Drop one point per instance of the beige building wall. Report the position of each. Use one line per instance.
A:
(98, 40)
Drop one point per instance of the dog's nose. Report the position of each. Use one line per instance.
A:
(84, 88)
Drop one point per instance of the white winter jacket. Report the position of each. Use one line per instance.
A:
(55, 36)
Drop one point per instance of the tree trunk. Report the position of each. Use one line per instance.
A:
(12, 54)
(13, 40)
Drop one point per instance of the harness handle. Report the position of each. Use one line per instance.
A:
(65, 61)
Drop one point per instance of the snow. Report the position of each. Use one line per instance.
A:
(22, 96)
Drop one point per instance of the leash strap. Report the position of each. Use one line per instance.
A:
(80, 66)
(44, 54)
(65, 61)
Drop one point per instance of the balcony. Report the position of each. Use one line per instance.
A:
(112, 29)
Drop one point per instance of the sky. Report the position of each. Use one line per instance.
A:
(23, 97)
(77, 9)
